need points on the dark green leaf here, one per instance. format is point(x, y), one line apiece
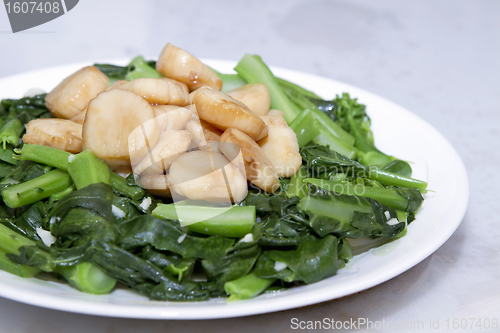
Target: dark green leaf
point(315, 258)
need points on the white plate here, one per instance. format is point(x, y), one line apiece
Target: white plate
point(397, 132)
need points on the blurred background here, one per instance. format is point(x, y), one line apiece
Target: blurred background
point(438, 58)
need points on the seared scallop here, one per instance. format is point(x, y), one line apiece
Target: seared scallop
point(205, 175)
point(259, 170)
point(281, 146)
point(179, 65)
point(119, 126)
point(58, 133)
point(74, 93)
point(255, 96)
point(223, 111)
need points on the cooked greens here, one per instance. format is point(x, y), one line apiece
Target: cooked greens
point(70, 215)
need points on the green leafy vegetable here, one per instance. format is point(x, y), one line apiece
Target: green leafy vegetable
point(136, 69)
point(36, 189)
point(233, 222)
point(313, 260)
point(321, 160)
point(247, 286)
point(107, 229)
point(86, 169)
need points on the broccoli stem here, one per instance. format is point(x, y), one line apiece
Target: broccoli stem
point(305, 127)
point(297, 187)
point(247, 286)
point(386, 196)
point(253, 70)
point(36, 189)
point(11, 132)
point(46, 155)
point(88, 278)
point(86, 169)
point(234, 222)
point(229, 81)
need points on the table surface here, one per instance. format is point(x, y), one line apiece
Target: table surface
point(439, 59)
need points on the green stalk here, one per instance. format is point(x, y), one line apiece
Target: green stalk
point(336, 208)
point(10, 242)
point(305, 127)
point(88, 278)
point(141, 69)
point(253, 70)
point(119, 184)
point(183, 269)
point(247, 286)
point(336, 144)
point(400, 167)
point(60, 159)
point(289, 85)
point(373, 158)
point(16, 269)
point(229, 81)
point(36, 189)
point(11, 132)
point(84, 276)
point(328, 125)
point(386, 196)
point(297, 187)
point(59, 195)
point(235, 222)
point(393, 179)
point(86, 169)
point(46, 155)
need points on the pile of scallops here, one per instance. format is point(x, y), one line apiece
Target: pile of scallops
point(179, 134)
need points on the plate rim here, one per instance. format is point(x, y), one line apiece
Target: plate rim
point(253, 306)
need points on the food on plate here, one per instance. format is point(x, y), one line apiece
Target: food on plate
point(258, 169)
point(170, 145)
point(114, 128)
point(184, 184)
point(255, 96)
point(158, 91)
point(281, 145)
point(58, 133)
point(177, 64)
point(74, 93)
point(223, 111)
point(207, 175)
